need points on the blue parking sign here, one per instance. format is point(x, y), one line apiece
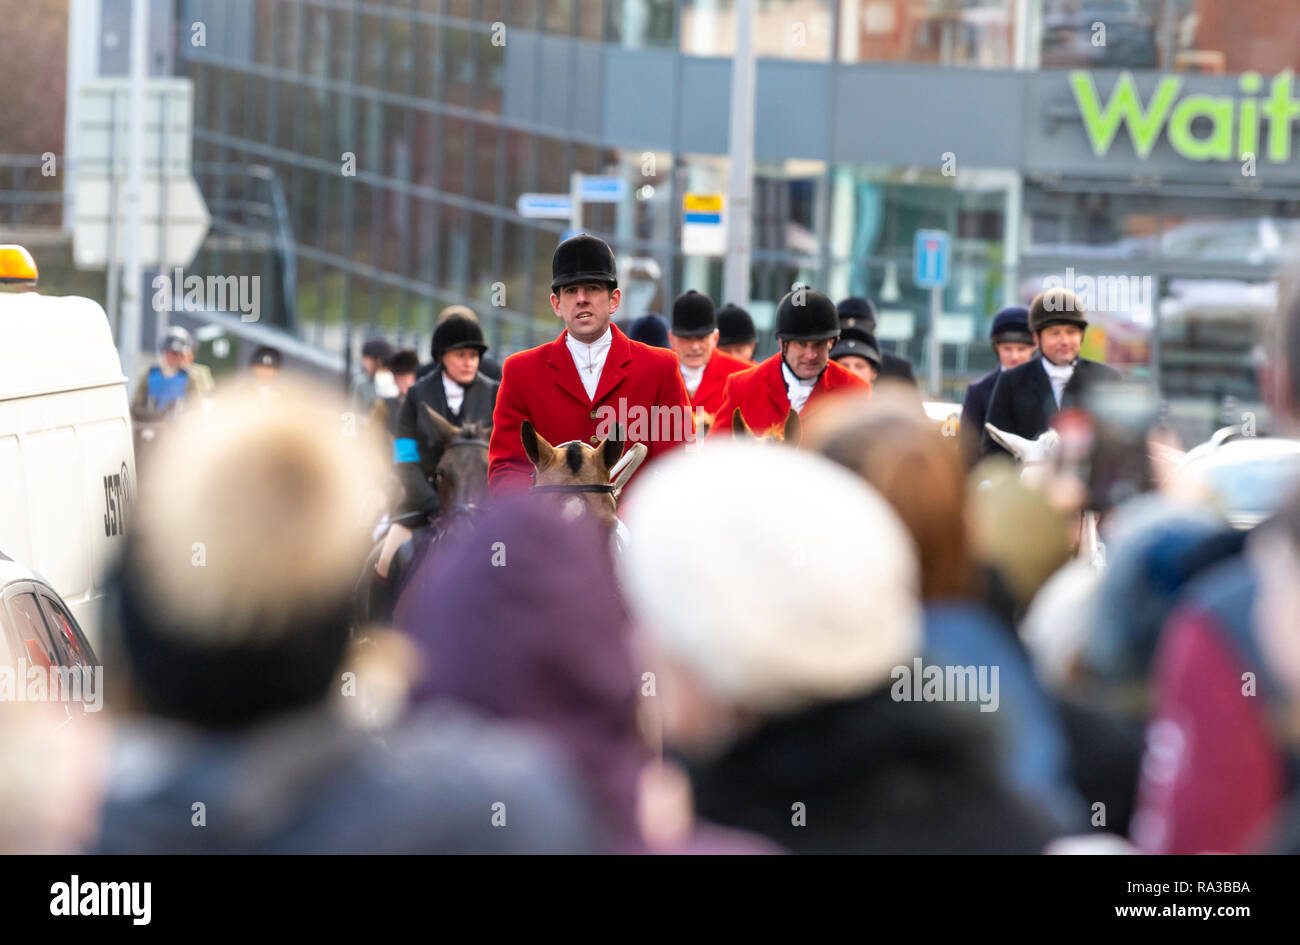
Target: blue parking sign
point(930, 263)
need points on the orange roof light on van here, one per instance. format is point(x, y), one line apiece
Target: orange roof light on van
point(16, 266)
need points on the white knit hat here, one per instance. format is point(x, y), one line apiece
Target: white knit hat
point(790, 581)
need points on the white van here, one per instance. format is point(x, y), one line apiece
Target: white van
point(67, 468)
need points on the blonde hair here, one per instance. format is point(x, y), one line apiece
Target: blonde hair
point(254, 509)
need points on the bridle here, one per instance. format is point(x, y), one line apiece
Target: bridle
point(575, 488)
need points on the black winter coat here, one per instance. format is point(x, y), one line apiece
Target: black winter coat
point(1022, 401)
point(974, 408)
point(873, 776)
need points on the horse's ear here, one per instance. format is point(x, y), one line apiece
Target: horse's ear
point(793, 429)
point(739, 428)
point(441, 425)
point(703, 423)
point(535, 445)
point(612, 448)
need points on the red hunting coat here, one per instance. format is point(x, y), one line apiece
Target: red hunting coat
point(708, 396)
point(760, 394)
point(542, 385)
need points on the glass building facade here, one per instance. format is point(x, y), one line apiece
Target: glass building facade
point(399, 137)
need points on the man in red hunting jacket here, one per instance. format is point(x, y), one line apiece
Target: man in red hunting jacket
point(591, 378)
point(801, 373)
point(694, 339)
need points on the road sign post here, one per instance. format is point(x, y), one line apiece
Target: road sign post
point(704, 230)
point(930, 270)
point(545, 206)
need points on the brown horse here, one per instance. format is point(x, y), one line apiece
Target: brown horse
point(789, 432)
point(577, 470)
point(461, 480)
point(461, 475)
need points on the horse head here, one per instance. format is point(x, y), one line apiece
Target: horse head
point(462, 471)
point(579, 472)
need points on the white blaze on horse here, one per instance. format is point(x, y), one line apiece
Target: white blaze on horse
point(591, 477)
point(1029, 452)
point(1034, 456)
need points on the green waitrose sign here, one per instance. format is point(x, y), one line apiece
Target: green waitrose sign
point(1235, 121)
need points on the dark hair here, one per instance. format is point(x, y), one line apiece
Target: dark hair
point(178, 675)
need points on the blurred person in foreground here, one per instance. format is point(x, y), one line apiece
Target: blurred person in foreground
point(51, 776)
point(1220, 759)
point(890, 443)
point(781, 650)
point(1275, 551)
point(226, 628)
point(521, 618)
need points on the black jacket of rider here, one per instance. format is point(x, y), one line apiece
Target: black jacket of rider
point(417, 446)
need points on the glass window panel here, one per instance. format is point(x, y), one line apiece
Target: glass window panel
point(455, 141)
point(488, 144)
point(287, 46)
point(639, 23)
point(400, 53)
point(264, 32)
point(372, 50)
point(483, 268)
point(428, 63)
point(458, 71)
point(558, 17)
point(977, 33)
point(491, 75)
point(320, 33)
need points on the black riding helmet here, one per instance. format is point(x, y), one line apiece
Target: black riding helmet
point(583, 258)
point(457, 332)
point(806, 315)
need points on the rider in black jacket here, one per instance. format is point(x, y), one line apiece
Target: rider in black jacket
point(457, 391)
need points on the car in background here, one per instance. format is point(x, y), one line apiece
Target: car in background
point(1250, 476)
point(36, 626)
